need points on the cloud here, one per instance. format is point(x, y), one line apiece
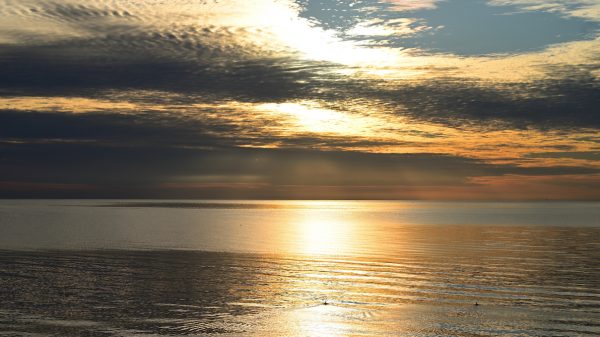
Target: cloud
point(105, 129)
point(236, 55)
point(388, 28)
point(411, 5)
point(182, 96)
point(543, 104)
point(585, 155)
point(88, 170)
point(107, 154)
point(588, 9)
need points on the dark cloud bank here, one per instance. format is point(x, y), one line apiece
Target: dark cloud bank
point(554, 103)
point(100, 155)
point(123, 51)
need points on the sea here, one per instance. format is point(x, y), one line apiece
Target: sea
point(299, 268)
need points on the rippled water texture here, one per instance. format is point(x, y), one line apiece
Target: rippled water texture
point(139, 268)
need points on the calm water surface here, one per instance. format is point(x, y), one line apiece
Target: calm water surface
point(298, 268)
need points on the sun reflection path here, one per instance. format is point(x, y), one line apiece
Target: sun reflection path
point(324, 236)
point(322, 229)
point(321, 320)
point(325, 228)
point(325, 232)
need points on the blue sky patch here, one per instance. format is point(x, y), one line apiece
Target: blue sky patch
point(457, 27)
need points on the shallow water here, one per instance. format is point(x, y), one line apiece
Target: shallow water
point(275, 268)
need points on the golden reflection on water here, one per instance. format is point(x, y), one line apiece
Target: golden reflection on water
point(412, 273)
point(320, 235)
point(321, 320)
point(322, 228)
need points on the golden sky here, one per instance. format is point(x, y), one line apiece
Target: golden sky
point(300, 99)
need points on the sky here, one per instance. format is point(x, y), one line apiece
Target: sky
point(305, 99)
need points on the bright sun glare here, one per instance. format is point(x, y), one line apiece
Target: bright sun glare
point(325, 230)
point(311, 117)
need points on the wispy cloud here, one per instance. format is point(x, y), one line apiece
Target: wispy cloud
point(588, 9)
point(408, 5)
